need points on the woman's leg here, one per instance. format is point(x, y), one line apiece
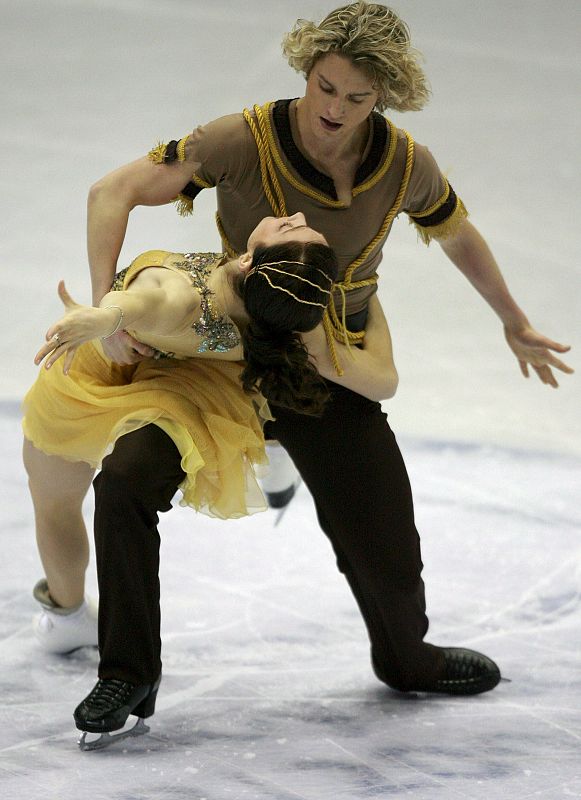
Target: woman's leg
point(67, 620)
point(58, 488)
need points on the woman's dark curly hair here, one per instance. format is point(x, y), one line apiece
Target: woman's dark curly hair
point(285, 292)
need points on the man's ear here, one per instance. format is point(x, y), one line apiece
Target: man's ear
point(245, 262)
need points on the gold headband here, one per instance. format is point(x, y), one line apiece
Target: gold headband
point(271, 266)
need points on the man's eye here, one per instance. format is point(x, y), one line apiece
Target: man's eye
point(325, 89)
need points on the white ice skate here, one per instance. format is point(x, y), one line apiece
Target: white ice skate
point(61, 631)
point(282, 479)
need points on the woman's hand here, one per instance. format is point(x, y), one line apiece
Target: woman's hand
point(80, 324)
point(531, 347)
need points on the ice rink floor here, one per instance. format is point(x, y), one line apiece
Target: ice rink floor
point(267, 692)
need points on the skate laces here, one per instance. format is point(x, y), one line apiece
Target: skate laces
point(109, 690)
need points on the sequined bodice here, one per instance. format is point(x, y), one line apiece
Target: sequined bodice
point(216, 331)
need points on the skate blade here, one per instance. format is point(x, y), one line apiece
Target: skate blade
point(283, 510)
point(104, 740)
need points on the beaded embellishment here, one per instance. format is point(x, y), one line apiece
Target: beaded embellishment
point(217, 332)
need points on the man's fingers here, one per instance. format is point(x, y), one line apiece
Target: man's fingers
point(70, 354)
point(546, 376)
point(143, 349)
point(559, 348)
point(547, 359)
point(558, 364)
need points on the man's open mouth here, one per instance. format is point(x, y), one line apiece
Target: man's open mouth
point(330, 126)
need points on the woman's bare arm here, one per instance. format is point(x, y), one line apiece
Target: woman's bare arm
point(368, 370)
point(156, 302)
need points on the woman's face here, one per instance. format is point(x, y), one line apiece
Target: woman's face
point(338, 99)
point(278, 230)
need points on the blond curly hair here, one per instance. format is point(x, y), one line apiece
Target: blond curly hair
point(374, 38)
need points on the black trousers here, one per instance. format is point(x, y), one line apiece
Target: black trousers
point(350, 461)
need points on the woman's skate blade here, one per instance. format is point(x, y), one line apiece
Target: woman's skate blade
point(104, 740)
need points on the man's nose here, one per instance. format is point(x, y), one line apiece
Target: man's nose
point(335, 109)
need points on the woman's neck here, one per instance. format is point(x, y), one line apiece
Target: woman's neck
point(222, 284)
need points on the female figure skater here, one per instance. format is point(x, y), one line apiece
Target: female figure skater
point(201, 314)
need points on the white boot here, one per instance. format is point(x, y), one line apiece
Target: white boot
point(60, 630)
point(280, 482)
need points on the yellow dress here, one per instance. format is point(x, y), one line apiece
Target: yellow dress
point(198, 402)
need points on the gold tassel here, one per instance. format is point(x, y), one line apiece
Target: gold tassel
point(344, 331)
point(444, 229)
point(184, 205)
point(157, 154)
point(328, 326)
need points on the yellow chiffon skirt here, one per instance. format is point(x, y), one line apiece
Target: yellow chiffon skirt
point(199, 403)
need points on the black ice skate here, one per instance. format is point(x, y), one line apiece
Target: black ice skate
point(107, 707)
point(466, 672)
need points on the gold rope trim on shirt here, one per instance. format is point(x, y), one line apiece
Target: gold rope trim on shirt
point(391, 214)
point(263, 115)
point(181, 148)
point(364, 187)
point(270, 183)
point(200, 182)
point(335, 328)
point(228, 249)
point(435, 206)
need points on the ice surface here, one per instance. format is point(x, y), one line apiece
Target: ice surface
point(267, 689)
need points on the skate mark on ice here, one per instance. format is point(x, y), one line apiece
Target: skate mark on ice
point(249, 595)
point(173, 635)
point(531, 713)
point(263, 779)
point(199, 689)
point(57, 737)
point(529, 597)
point(401, 763)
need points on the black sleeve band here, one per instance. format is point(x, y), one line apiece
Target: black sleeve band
point(191, 190)
point(171, 152)
point(440, 214)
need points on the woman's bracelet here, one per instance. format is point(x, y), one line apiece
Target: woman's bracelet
point(120, 320)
